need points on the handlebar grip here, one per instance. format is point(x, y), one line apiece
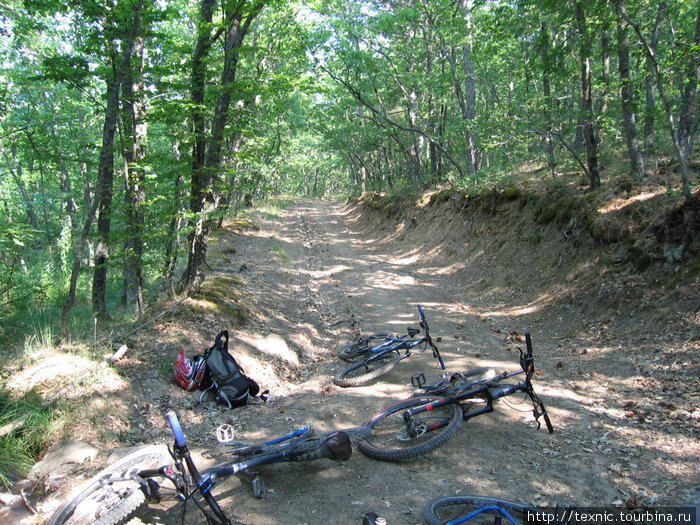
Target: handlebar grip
point(176, 428)
point(420, 311)
point(528, 343)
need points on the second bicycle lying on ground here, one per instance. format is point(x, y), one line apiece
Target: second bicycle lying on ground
point(431, 417)
point(377, 354)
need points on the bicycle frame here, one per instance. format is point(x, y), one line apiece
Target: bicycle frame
point(204, 481)
point(489, 391)
point(403, 343)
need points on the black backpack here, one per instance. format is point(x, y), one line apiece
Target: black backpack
point(228, 381)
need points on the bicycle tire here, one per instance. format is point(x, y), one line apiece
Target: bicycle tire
point(389, 440)
point(445, 509)
point(351, 351)
point(459, 379)
point(98, 503)
point(363, 372)
point(357, 434)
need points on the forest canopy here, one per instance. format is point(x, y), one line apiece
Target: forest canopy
point(129, 130)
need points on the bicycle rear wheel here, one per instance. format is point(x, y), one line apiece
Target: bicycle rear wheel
point(112, 495)
point(449, 509)
point(391, 439)
point(363, 372)
point(351, 351)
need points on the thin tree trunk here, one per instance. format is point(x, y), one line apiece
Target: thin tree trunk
point(650, 108)
point(589, 135)
point(469, 92)
point(686, 118)
point(605, 96)
point(546, 92)
point(77, 259)
point(685, 179)
point(17, 175)
point(628, 116)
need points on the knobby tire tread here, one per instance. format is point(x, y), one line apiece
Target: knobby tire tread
point(124, 503)
point(390, 360)
point(397, 448)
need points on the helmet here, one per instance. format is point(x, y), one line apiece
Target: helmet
point(190, 374)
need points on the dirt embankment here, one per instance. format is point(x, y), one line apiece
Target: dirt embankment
point(616, 344)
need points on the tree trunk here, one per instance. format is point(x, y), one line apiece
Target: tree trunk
point(19, 180)
point(546, 92)
point(589, 135)
point(135, 129)
point(686, 118)
point(650, 108)
point(469, 92)
point(77, 258)
point(105, 171)
point(628, 116)
point(622, 11)
point(207, 154)
point(605, 96)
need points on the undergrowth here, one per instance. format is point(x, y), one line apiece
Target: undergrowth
point(26, 429)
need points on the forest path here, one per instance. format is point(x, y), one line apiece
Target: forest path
point(327, 271)
point(318, 272)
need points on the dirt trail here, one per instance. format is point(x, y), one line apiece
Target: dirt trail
point(314, 273)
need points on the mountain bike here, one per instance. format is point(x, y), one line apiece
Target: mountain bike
point(156, 472)
point(480, 510)
point(422, 423)
point(378, 359)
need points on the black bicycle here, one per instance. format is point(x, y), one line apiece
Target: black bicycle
point(155, 473)
point(375, 360)
point(423, 422)
point(480, 510)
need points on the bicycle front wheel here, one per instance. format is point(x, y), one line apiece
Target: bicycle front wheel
point(455, 509)
point(351, 351)
point(393, 440)
point(112, 495)
point(363, 372)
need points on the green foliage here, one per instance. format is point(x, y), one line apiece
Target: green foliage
point(331, 97)
point(25, 432)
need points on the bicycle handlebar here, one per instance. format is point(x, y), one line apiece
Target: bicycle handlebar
point(424, 324)
point(176, 428)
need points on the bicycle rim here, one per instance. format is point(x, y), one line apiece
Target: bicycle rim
point(391, 440)
point(449, 509)
point(363, 372)
point(111, 496)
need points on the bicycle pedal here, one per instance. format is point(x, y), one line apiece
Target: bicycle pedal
point(224, 433)
point(259, 489)
point(418, 380)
